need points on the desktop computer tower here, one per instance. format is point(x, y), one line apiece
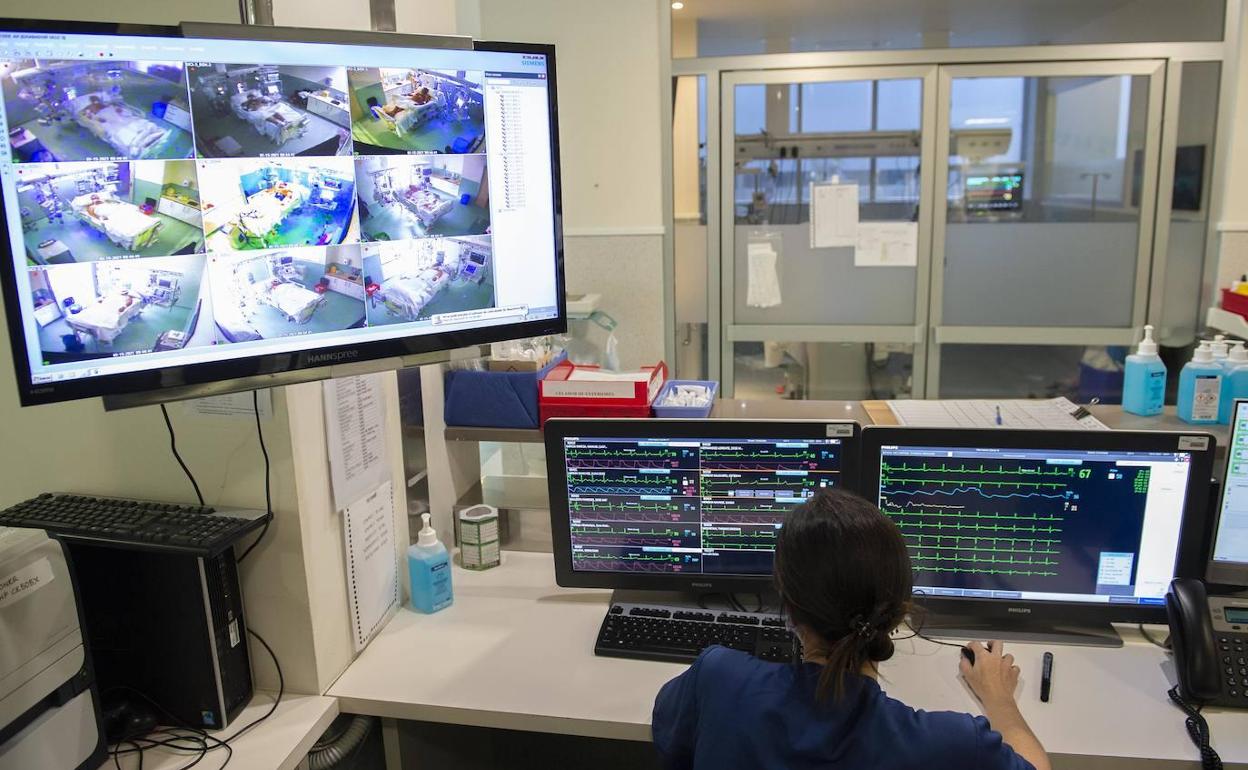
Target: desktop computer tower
point(169, 626)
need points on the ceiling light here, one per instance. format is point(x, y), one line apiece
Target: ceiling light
point(676, 6)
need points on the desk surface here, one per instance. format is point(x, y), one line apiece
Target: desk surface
point(279, 743)
point(516, 652)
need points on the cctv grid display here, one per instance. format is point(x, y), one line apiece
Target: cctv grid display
point(174, 201)
point(688, 506)
point(1037, 524)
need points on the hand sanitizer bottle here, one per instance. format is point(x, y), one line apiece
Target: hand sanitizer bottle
point(1200, 387)
point(429, 567)
point(1234, 381)
point(1144, 381)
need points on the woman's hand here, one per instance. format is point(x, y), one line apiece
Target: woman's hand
point(993, 677)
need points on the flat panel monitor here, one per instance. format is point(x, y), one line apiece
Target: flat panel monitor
point(1228, 562)
point(1055, 527)
point(315, 203)
point(684, 504)
point(995, 192)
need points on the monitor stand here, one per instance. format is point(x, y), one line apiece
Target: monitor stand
point(962, 628)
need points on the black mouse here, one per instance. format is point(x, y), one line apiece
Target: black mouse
point(969, 655)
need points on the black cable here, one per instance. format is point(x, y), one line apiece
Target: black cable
point(1197, 730)
point(268, 493)
point(173, 445)
point(281, 688)
point(1151, 638)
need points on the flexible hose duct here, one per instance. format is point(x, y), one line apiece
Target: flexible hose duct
point(329, 755)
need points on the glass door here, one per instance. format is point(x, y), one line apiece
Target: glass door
point(825, 232)
point(1043, 226)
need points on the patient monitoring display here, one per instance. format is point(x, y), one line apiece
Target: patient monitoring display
point(175, 201)
point(1047, 525)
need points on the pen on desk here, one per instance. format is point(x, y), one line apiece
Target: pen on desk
point(1046, 677)
point(999, 422)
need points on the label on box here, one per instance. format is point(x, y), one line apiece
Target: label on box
point(478, 532)
point(18, 585)
point(483, 555)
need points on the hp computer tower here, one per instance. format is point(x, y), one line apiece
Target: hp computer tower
point(169, 626)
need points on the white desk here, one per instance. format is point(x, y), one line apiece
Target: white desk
point(278, 743)
point(516, 652)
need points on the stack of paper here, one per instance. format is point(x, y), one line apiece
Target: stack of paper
point(1044, 414)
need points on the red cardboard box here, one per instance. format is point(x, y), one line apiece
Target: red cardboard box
point(561, 394)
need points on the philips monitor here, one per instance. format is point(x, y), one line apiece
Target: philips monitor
point(183, 206)
point(1228, 562)
point(684, 505)
point(1043, 534)
point(995, 192)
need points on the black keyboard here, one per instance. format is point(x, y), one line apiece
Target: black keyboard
point(670, 634)
point(140, 524)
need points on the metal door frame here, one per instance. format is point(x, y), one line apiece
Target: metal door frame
point(1175, 54)
point(941, 334)
point(725, 332)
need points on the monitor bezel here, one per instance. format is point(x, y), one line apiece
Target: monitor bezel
point(182, 376)
point(1193, 531)
point(557, 429)
point(1234, 573)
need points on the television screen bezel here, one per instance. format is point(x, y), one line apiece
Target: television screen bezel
point(182, 376)
point(1190, 561)
point(556, 429)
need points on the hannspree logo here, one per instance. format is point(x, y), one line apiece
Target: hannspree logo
point(327, 358)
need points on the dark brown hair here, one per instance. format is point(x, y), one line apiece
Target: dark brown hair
point(843, 574)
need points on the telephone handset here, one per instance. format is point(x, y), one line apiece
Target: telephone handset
point(1210, 640)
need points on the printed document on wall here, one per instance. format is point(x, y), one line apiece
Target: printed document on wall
point(372, 564)
point(762, 288)
point(887, 244)
point(356, 435)
point(833, 215)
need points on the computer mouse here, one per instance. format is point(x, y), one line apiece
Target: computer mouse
point(969, 655)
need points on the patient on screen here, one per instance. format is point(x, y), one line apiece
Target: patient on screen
point(844, 579)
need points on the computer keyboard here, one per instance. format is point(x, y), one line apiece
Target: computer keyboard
point(141, 524)
point(678, 635)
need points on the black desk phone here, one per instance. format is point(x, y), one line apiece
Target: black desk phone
point(1209, 635)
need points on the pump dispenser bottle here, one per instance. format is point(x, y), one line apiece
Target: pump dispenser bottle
point(1200, 387)
point(1144, 380)
point(429, 567)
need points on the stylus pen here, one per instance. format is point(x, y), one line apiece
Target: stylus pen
point(1046, 677)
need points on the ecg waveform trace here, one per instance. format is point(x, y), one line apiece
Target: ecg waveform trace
point(634, 506)
point(982, 518)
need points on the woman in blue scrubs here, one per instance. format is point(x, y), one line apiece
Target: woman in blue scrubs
point(844, 579)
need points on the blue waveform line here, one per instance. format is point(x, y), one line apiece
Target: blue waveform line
point(976, 490)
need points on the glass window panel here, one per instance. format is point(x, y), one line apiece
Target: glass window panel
point(822, 370)
point(690, 233)
point(829, 107)
point(1041, 228)
point(751, 109)
point(1032, 371)
point(900, 105)
point(741, 28)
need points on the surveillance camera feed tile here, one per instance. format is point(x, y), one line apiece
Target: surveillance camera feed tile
point(244, 197)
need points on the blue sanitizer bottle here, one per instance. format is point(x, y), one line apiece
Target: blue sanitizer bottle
point(1200, 387)
point(1144, 380)
point(429, 566)
point(1234, 381)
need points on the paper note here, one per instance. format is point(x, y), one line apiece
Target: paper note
point(1047, 414)
point(356, 437)
point(25, 581)
point(763, 281)
point(887, 244)
point(234, 405)
point(833, 215)
point(372, 566)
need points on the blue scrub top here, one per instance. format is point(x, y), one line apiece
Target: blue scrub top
point(732, 710)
